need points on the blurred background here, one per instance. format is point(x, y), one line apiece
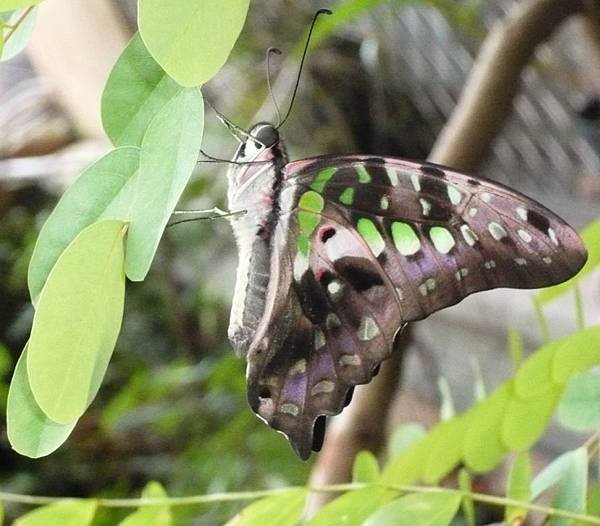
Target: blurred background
point(173, 406)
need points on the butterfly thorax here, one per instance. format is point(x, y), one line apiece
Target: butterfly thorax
point(255, 181)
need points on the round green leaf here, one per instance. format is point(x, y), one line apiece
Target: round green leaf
point(579, 407)
point(534, 377)
point(169, 154)
point(445, 449)
point(75, 513)
point(519, 488)
point(154, 515)
point(104, 190)
point(136, 90)
point(30, 431)
point(352, 508)
point(365, 468)
point(284, 509)
point(77, 322)
point(9, 5)
point(424, 509)
point(576, 353)
point(525, 419)
point(191, 40)
point(483, 448)
point(18, 40)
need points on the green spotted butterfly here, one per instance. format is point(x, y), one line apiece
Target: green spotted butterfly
point(338, 253)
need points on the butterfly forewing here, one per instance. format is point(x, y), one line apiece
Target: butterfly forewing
point(363, 245)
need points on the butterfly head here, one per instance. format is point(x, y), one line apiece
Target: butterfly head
point(261, 143)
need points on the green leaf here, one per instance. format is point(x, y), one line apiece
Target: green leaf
point(103, 191)
point(30, 432)
point(9, 5)
point(350, 509)
point(445, 449)
point(570, 473)
point(405, 436)
point(519, 488)
point(575, 354)
point(424, 509)
point(534, 377)
point(407, 467)
point(75, 513)
point(466, 485)
point(150, 515)
point(136, 90)
point(77, 322)
point(526, 419)
point(284, 509)
point(191, 40)
point(365, 468)
point(483, 448)
point(591, 239)
point(14, 44)
point(578, 408)
point(169, 154)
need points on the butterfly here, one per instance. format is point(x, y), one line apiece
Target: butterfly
point(338, 253)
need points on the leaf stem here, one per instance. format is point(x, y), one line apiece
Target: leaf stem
point(335, 488)
point(16, 25)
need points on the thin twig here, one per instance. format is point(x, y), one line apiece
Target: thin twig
point(16, 25)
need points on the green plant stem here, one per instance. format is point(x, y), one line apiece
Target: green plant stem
point(539, 314)
point(16, 25)
point(337, 488)
point(579, 314)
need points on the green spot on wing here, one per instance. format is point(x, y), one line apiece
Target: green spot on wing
point(442, 239)
point(406, 240)
point(322, 179)
point(310, 204)
point(371, 235)
point(363, 175)
point(347, 196)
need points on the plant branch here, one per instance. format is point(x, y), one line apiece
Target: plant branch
point(334, 488)
point(487, 98)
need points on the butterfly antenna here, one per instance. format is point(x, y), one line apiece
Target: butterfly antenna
point(239, 133)
point(270, 51)
point(312, 25)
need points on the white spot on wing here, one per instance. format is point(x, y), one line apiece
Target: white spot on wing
point(289, 408)
point(472, 211)
point(552, 235)
point(497, 231)
point(524, 235)
point(485, 197)
point(300, 266)
point(469, 236)
point(547, 260)
point(298, 368)
point(319, 339)
point(324, 386)
point(521, 261)
point(425, 206)
point(349, 359)
point(521, 213)
point(416, 182)
point(332, 321)
point(385, 202)
point(368, 329)
point(334, 288)
point(454, 195)
point(393, 175)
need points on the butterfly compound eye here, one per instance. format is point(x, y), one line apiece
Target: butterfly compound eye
point(266, 134)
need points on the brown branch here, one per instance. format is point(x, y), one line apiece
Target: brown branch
point(590, 28)
point(486, 100)
point(478, 118)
